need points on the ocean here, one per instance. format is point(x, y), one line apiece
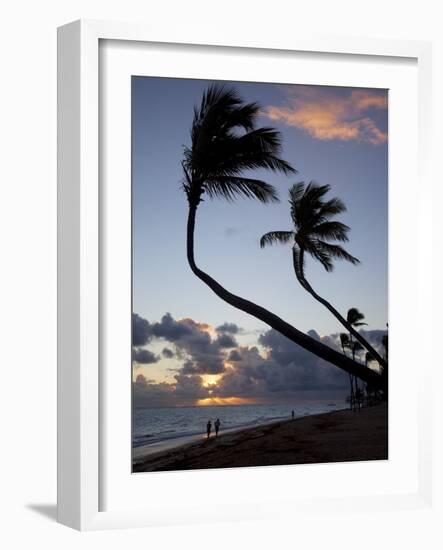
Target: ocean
point(153, 426)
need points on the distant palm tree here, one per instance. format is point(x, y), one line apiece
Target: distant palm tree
point(356, 347)
point(355, 317)
point(314, 232)
point(346, 344)
point(225, 143)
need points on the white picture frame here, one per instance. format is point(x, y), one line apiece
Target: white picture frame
point(80, 435)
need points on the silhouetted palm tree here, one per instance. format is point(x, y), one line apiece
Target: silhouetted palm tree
point(355, 317)
point(314, 233)
point(225, 143)
point(346, 344)
point(356, 347)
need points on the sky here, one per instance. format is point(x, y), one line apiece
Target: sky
point(189, 346)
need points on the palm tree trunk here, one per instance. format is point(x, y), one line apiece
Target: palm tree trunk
point(352, 391)
point(310, 344)
point(304, 283)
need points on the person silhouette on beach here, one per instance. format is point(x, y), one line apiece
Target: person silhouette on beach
point(217, 426)
point(292, 414)
point(208, 428)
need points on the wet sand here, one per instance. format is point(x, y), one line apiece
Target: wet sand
point(338, 436)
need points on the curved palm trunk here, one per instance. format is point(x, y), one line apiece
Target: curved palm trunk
point(293, 334)
point(337, 315)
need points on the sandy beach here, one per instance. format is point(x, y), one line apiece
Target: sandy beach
point(338, 436)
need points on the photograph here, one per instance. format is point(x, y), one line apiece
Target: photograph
point(259, 274)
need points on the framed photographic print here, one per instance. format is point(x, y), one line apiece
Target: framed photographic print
point(233, 273)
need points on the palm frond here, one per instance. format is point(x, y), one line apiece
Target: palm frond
point(332, 207)
point(296, 191)
point(354, 315)
point(276, 237)
point(231, 187)
point(242, 117)
point(323, 257)
point(226, 142)
point(331, 230)
point(315, 191)
point(336, 251)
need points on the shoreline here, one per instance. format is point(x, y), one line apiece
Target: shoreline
point(166, 445)
point(163, 445)
point(336, 436)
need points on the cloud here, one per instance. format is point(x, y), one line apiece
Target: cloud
point(141, 330)
point(231, 328)
point(185, 390)
point(274, 370)
point(234, 355)
point(226, 341)
point(193, 341)
point(144, 356)
point(167, 353)
point(333, 114)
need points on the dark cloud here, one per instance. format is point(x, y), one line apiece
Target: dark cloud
point(192, 341)
point(146, 393)
point(184, 391)
point(226, 341)
point(144, 356)
point(141, 330)
point(189, 368)
point(234, 355)
point(172, 330)
point(230, 328)
point(277, 369)
point(285, 369)
point(167, 353)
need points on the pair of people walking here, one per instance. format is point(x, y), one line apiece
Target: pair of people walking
point(209, 428)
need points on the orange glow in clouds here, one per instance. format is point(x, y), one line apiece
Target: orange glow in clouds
point(211, 401)
point(210, 379)
point(325, 117)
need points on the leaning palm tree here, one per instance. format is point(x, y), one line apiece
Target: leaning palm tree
point(315, 233)
point(226, 143)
